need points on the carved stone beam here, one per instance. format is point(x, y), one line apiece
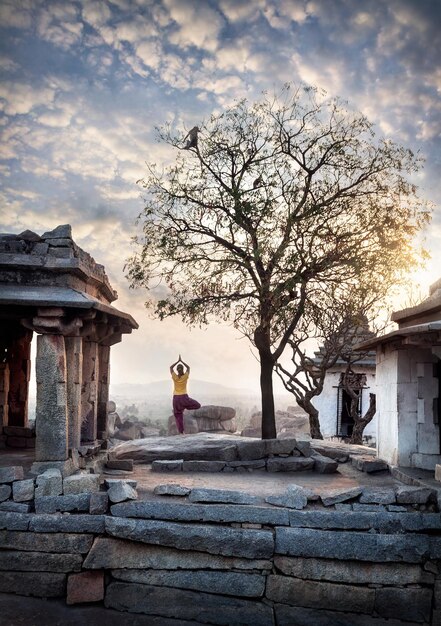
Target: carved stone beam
point(54, 325)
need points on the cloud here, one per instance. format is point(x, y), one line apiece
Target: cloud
point(16, 13)
point(19, 98)
point(60, 25)
point(197, 24)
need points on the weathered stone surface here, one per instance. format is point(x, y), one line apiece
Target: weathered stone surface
point(246, 465)
point(323, 464)
point(299, 616)
point(50, 483)
point(12, 560)
point(320, 595)
point(289, 464)
point(369, 464)
point(333, 519)
point(280, 446)
point(19, 431)
point(371, 508)
point(295, 497)
point(41, 542)
point(353, 572)
point(14, 521)
point(349, 545)
point(304, 447)
point(225, 583)
point(63, 231)
point(23, 490)
point(253, 544)
point(45, 585)
point(407, 604)
point(15, 507)
point(203, 466)
point(251, 450)
point(167, 465)
point(81, 483)
point(5, 492)
point(203, 607)
point(52, 504)
point(339, 495)
point(122, 464)
point(67, 467)
point(396, 509)
point(9, 474)
point(171, 489)
point(85, 587)
point(121, 491)
point(200, 494)
point(99, 503)
point(377, 496)
point(226, 513)
point(108, 553)
point(112, 481)
point(54, 523)
point(412, 495)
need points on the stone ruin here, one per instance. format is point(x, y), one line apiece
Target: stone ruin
point(50, 286)
point(209, 418)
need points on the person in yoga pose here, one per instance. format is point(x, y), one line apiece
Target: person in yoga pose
point(181, 400)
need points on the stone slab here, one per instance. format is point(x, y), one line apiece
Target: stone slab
point(369, 464)
point(167, 465)
point(121, 464)
point(66, 468)
point(99, 503)
point(409, 604)
point(319, 595)
point(324, 464)
point(171, 489)
point(334, 496)
point(252, 544)
point(13, 560)
point(121, 491)
point(371, 495)
point(110, 553)
point(349, 545)
point(14, 521)
point(224, 583)
point(54, 504)
point(81, 483)
point(5, 492)
point(45, 585)
point(49, 483)
point(201, 494)
point(57, 522)
point(203, 607)
point(299, 616)
point(289, 464)
point(85, 587)
point(412, 495)
point(11, 473)
point(41, 542)
point(203, 466)
point(23, 490)
point(15, 507)
point(295, 497)
point(218, 513)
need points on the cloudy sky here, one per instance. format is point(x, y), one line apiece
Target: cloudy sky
point(85, 82)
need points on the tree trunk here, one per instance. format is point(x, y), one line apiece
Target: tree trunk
point(314, 423)
point(360, 423)
point(266, 387)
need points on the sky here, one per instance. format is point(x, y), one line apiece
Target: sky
point(84, 83)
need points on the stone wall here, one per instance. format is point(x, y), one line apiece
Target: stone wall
point(249, 564)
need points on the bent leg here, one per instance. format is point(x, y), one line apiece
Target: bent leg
point(191, 404)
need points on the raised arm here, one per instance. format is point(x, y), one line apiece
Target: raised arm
point(187, 371)
point(174, 365)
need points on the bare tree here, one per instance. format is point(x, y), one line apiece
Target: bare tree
point(331, 202)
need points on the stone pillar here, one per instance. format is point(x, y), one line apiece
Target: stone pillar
point(51, 412)
point(4, 391)
point(19, 359)
point(74, 369)
point(103, 390)
point(89, 391)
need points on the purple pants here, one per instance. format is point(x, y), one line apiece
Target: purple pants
point(179, 404)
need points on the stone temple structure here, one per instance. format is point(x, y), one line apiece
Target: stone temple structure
point(409, 384)
point(50, 286)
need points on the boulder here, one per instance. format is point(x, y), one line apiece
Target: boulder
point(209, 418)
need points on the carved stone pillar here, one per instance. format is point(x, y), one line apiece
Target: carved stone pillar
point(4, 391)
point(51, 412)
point(74, 367)
point(103, 390)
point(89, 391)
point(19, 360)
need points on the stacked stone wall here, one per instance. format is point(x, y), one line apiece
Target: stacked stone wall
point(230, 563)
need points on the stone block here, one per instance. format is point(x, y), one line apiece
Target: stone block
point(14, 521)
point(99, 503)
point(289, 464)
point(295, 497)
point(109, 482)
point(58, 523)
point(438, 473)
point(13, 560)
point(171, 489)
point(333, 496)
point(43, 585)
point(54, 504)
point(217, 513)
point(15, 507)
point(5, 492)
point(85, 587)
point(61, 242)
point(167, 465)
point(81, 483)
point(203, 466)
point(121, 491)
point(109, 553)
point(245, 465)
point(187, 605)
point(19, 431)
point(45, 542)
point(122, 464)
point(353, 572)
point(253, 544)
point(323, 464)
point(348, 545)
point(369, 464)
point(200, 494)
point(370, 508)
point(50, 483)
point(299, 616)
point(409, 604)
point(66, 468)
point(64, 231)
point(40, 248)
point(371, 495)
point(304, 447)
point(23, 490)
point(319, 595)
point(10, 474)
point(412, 495)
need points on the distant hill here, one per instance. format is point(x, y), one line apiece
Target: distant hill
point(165, 388)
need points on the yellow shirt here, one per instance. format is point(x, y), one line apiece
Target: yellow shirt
point(180, 384)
